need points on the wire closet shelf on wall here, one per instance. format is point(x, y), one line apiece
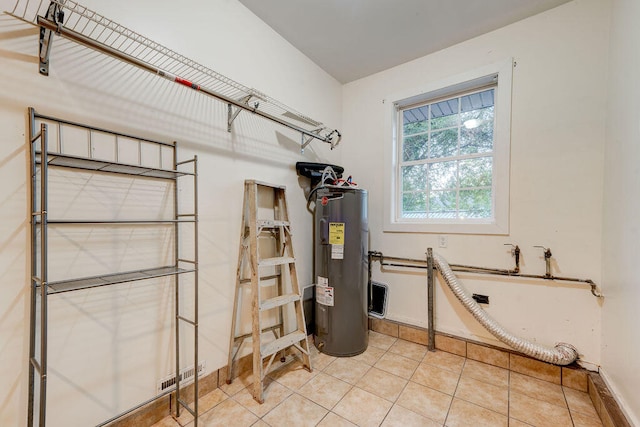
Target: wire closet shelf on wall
point(88, 28)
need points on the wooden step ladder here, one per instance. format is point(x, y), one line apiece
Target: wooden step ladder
point(266, 255)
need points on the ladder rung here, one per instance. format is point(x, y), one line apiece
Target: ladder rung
point(279, 301)
point(267, 329)
point(281, 343)
point(261, 278)
point(272, 223)
point(264, 184)
point(276, 261)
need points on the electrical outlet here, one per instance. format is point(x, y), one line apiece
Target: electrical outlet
point(442, 241)
point(481, 299)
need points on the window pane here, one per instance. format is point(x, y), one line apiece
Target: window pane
point(442, 204)
point(477, 101)
point(414, 204)
point(476, 172)
point(478, 140)
point(415, 148)
point(415, 127)
point(415, 120)
point(444, 114)
point(443, 175)
point(414, 178)
point(484, 114)
point(444, 143)
point(475, 203)
point(445, 122)
point(476, 134)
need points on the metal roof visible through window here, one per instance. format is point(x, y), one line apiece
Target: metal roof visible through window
point(473, 101)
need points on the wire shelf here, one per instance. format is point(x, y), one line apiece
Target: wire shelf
point(112, 279)
point(76, 22)
point(76, 162)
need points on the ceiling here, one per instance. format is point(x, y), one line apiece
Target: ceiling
point(351, 39)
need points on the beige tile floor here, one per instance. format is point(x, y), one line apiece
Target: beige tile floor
point(394, 383)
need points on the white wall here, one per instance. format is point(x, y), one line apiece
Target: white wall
point(558, 134)
point(621, 231)
point(557, 143)
point(108, 340)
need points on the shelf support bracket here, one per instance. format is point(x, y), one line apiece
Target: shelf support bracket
point(306, 141)
point(231, 114)
point(333, 140)
point(55, 14)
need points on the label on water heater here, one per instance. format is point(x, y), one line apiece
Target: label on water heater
point(324, 293)
point(336, 233)
point(337, 251)
point(336, 239)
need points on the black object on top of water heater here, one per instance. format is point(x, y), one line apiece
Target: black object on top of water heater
point(313, 171)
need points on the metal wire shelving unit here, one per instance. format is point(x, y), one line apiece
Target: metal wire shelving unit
point(75, 22)
point(42, 157)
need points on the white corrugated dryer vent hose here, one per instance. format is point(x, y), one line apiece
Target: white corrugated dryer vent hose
point(561, 354)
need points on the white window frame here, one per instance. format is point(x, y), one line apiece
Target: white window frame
point(453, 85)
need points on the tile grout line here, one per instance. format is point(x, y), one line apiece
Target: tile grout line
point(394, 402)
point(352, 386)
point(508, 396)
point(454, 392)
point(294, 392)
point(479, 404)
point(409, 381)
point(566, 402)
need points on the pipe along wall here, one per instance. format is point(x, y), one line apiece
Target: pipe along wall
point(561, 354)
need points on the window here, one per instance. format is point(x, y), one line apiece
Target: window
point(450, 161)
point(447, 158)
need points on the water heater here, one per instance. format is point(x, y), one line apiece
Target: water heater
point(340, 261)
